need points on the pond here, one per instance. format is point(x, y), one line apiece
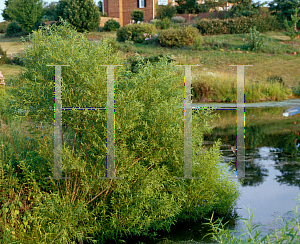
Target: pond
point(272, 150)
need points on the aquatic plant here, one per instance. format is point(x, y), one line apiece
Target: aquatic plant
point(288, 233)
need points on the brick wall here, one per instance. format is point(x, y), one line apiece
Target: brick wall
point(188, 17)
point(104, 19)
point(122, 9)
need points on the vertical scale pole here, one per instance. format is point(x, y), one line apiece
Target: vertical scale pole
point(188, 146)
point(110, 111)
point(240, 103)
point(57, 126)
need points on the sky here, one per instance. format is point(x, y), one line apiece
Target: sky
point(2, 5)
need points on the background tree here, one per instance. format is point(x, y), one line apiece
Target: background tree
point(165, 11)
point(245, 8)
point(59, 12)
point(100, 6)
point(50, 11)
point(82, 14)
point(4, 12)
point(283, 9)
point(190, 6)
point(26, 12)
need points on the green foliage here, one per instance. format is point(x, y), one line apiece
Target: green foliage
point(167, 11)
point(50, 11)
point(292, 30)
point(111, 25)
point(149, 132)
point(26, 12)
point(100, 5)
point(255, 40)
point(128, 46)
point(296, 90)
point(4, 12)
point(135, 32)
point(84, 15)
point(59, 11)
point(137, 61)
point(238, 25)
point(13, 29)
point(274, 78)
point(245, 8)
point(137, 15)
point(3, 26)
point(178, 37)
point(202, 8)
point(112, 42)
point(198, 42)
point(38, 25)
point(192, 7)
point(283, 9)
point(4, 59)
point(163, 24)
point(104, 15)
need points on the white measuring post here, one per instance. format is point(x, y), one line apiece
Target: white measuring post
point(110, 157)
point(240, 137)
point(188, 151)
point(57, 126)
point(188, 145)
point(110, 111)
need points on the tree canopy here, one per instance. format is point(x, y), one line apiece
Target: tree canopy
point(82, 14)
point(245, 8)
point(284, 9)
point(50, 11)
point(26, 12)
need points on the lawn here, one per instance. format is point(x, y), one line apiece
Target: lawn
point(215, 55)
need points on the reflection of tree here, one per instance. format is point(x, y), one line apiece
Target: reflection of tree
point(254, 136)
point(286, 148)
point(264, 129)
point(290, 174)
point(256, 171)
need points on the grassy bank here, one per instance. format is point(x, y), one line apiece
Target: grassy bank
point(272, 76)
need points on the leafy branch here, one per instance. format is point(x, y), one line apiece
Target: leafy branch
point(292, 30)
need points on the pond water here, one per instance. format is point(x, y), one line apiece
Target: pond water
point(272, 150)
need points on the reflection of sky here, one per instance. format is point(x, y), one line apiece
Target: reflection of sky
point(269, 199)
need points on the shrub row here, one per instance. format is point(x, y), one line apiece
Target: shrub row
point(171, 37)
point(135, 32)
point(237, 25)
point(178, 37)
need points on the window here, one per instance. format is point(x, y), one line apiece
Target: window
point(141, 3)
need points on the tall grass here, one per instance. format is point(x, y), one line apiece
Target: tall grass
point(222, 87)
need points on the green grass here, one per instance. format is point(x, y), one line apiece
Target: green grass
point(10, 70)
point(216, 54)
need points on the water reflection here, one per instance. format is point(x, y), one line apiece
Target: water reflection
point(272, 150)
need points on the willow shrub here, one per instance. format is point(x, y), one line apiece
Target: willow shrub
point(149, 147)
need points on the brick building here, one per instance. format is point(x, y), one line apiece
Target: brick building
point(122, 9)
